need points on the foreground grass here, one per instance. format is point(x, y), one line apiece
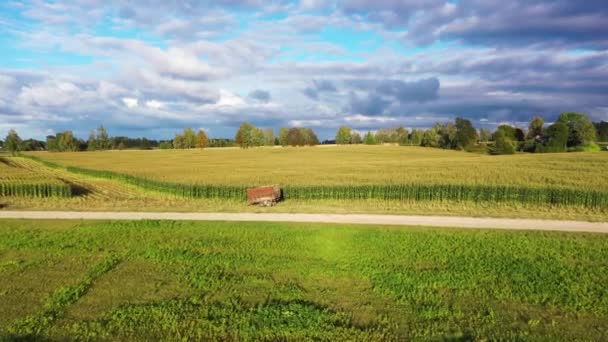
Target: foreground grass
point(348, 165)
point(255, 281)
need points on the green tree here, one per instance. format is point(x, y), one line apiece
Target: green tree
point(67, 142)
point(103, 139)
point(431, 138)
point(503, 144)
point(165, 145)
point(245, 136)
point(283, 132)
point(448, 134)
point(343, 135)
point(466, 135)
point(485, 135)
point(556, 139)
point(189, 138)
point(92, 142)
point(258, 137)
point(355, 138)
point(12, 143)
point(295, 137)
point(269, 137)
point(401, 133)
point(310, 137)
point(535, 129)
point(416, 137)
point(369, 139)
point(602, 131)
point(202, 141)
point(179, 142)
point(580, 129)
point(145, 144)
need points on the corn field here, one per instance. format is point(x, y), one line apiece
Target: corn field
point(17, 181)
point(402, 192)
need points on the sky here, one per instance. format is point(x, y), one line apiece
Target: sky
point(151, 68)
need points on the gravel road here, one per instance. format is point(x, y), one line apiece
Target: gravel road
point(428, 221)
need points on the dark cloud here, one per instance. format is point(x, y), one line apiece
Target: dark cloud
point(580, 24)
point(417, 91)
point(370, 104)
point(260, 95)
point(324, 86)
point(311, 93)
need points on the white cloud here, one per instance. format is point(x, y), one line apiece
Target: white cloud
point(52, 94)
point(155, 104)
point(130, 102)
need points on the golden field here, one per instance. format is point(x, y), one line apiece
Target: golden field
point(348, 165)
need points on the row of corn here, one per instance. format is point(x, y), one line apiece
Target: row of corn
point(35, 190)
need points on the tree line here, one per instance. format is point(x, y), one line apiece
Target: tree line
point(571, 132)
point(250, 136)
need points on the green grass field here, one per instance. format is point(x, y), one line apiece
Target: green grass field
point(267, 281)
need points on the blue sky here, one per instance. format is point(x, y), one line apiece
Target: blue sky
point(152, 68)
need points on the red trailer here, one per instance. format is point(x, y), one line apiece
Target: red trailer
point(264, 195)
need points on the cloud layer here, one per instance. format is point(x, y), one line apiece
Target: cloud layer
point(146, 68)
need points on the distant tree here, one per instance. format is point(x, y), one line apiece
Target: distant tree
point(369, 139)
point(247, 135)
point(67, 142)
point(556, 139)
point(145, 144)
point(103, 140)
point(51, 143)
point(485, 135)
point(404, 139)
point(310, 137)
point(431, 138)
point(503, 144)
point(283, 132)
point(355, 138)
point(512, 133)
point(179, 142)
point(202, 141)
point(601, 131)
point(401, 135)
point(258, 137)
point(269, 137)
point(343, 135)
point(189, 138)
point(92, 142)
point(535, 129)
point(580, 129)
point(382, 136)
point(416, 137)
point(121, 146)
point(32, 145)
point(466, 135)
point(165, 145)
point(295, 137)
point(448, 134)
point(12, 142)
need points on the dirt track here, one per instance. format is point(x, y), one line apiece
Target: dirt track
point(429, 221)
